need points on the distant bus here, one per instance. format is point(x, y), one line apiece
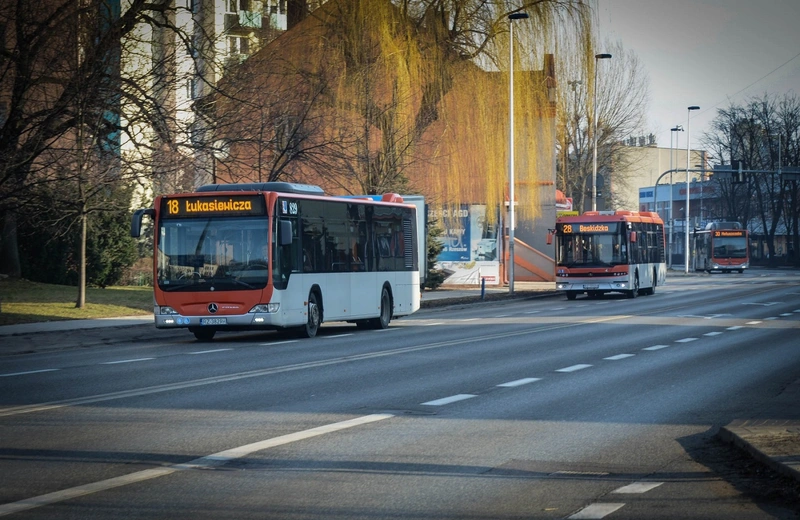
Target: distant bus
point(722, 246)
point(280, 256)
point(610, 251)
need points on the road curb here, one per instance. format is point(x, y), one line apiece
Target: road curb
point(748, 436)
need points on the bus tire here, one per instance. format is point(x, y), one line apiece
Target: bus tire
point(652, 289)
point(634, 292)
point(203, 334)
point(314, 311)
point(382, 321)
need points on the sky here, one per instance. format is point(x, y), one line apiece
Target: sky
point(708, 53)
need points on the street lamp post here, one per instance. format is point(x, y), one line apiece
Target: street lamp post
point(678, 128)
point(688, 144)
point(511, 18)
point(597, 57)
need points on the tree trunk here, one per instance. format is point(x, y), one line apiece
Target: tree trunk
point(81, 303)
point(9, 247)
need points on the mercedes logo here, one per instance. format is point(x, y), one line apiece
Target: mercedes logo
point(212, 308)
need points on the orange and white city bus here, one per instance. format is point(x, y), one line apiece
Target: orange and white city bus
point(610, 251)
point(722, 246)
point(279, 256)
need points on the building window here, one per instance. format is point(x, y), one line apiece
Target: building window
point(238, 45)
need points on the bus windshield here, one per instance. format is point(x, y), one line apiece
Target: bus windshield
point(212, 254)
point(730, 247)
point(591, 250)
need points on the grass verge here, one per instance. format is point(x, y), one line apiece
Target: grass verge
point(23, 301)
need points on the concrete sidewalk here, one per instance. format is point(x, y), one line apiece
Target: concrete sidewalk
point(772, 435)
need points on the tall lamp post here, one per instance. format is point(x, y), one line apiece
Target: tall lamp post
point(597, 57)
point(678, 128)
point(511, 222)
point(688, 144)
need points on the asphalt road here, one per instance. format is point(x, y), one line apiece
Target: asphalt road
point(539, 408)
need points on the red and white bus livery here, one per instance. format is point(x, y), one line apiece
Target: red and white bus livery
point(722, 246)
point(278, 256)
point(610, 251)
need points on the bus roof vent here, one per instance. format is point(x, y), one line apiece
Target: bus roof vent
point(391, 197)
point(283, 187)
point(723, 225)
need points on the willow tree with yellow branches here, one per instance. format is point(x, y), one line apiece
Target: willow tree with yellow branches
point(416, 94)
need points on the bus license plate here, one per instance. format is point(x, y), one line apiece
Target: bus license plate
point(591, 287)
point(213, 321)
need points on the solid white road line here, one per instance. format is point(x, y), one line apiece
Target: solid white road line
point(30, 372)
point(209, 461)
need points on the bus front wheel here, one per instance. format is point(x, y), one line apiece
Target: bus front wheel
point(203, 334)
point(634, 292)
point(310, 329)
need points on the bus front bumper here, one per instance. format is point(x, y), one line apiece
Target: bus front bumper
point(166, 318)
point(582, 286)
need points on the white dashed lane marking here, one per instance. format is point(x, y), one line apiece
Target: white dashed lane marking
point(716, 333)
point(618, 357)
point(656, 347)
point(447, 400)
point(520, 382)
point(595, 511)
point(685, 340)
point(638, 487)
point(127, 361)
point(573, 368)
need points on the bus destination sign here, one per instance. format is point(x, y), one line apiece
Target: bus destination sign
point(729, 233)
point(212, 206)
point(589, 228)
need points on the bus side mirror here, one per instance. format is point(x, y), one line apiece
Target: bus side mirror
point(136, 221)
point(549, 239)
point(633, 237)
point(285, 233)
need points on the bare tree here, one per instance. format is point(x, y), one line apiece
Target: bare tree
point(753, 133)
point(84, 90)
point(622, 98)
point(413, 91)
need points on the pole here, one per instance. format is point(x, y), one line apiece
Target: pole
point(511, 220)
point(671, 220)
point(597, 57)
point(688, 141)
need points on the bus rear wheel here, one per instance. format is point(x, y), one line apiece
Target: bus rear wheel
point(382, 321)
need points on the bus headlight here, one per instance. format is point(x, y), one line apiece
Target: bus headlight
point(270, 308)
point(167, 310)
